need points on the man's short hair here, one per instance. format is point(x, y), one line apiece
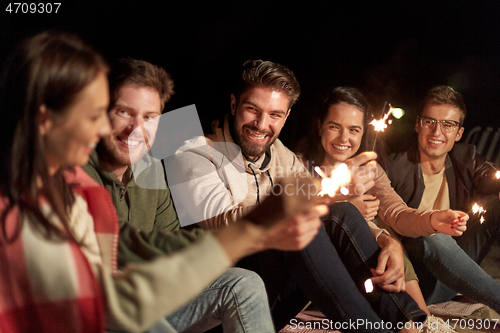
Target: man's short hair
point(140, 73)
point(268, 74)
point(444, 95)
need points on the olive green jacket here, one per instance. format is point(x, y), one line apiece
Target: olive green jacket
point(148, 221)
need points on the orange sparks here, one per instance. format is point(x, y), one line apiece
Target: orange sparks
point(476, 209)
point(340, 176)
point(380, 125)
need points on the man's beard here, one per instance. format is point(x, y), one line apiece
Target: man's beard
point(108, 152)
point(248, 147)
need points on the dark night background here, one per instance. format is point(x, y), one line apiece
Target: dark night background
point(393, 50)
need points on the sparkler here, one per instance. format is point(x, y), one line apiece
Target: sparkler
point(381, 124)
point(497, 174)
point(339, 177)
point(368, 286)
point(476, 209)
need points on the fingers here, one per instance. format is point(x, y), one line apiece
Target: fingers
point(299, 233)
point(366, 186)
point(321, 210)
point(397, 287)
point(450, 222)
point(392, 279)
point(363, 169)
point(362, 158)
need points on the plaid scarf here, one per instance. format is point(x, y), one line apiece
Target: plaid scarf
point(48, 286)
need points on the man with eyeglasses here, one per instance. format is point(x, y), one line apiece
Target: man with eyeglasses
point(438, 174)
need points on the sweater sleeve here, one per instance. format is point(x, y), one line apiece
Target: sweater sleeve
point(143, 293)
point(137, 246)
point(394, 211)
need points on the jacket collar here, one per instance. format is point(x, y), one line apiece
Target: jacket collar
point(97, 164)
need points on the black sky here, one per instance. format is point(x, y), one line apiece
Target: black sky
point(393, 50)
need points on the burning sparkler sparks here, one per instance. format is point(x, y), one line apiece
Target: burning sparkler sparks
point(368, 286)
point(381, 124)
point(476, 209)
point(339, 177)
point(497, 174)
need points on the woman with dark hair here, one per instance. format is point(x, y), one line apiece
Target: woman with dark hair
point(341, 132)
point(59, 233)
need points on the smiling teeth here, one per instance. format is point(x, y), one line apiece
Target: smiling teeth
point(341, 147)
point(257, 136)
point(435, 141)
point(130, 142)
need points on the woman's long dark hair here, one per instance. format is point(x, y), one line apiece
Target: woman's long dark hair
point(48, 69)
point(310, 147)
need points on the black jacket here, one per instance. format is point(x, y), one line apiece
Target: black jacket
point(469, 176)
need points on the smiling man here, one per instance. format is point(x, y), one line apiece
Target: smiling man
point(148, 221)
point(217, 178)
point(439, 173)
point(139, 91)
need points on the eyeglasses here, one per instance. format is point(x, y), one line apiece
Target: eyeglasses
point(447, 126)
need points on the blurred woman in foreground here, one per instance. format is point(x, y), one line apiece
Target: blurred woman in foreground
point(59, 228)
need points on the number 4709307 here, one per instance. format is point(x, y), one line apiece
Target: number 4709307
point(32, 7)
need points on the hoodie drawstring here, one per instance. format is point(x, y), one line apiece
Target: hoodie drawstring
point(257, 182)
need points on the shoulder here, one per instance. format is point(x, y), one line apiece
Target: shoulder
point(279, 150)
point(148, 173)
point(80, 177)
point(401, 165)
point(463, 152)
point(91, 168)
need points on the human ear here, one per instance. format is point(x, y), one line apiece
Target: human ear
point(44, 120)
point(459, 134)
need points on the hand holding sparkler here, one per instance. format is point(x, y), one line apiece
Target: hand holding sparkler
point(289, 215)
point(449, 222)
point(363, 172)
point(354, 177)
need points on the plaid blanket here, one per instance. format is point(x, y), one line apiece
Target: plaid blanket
point(49, 286)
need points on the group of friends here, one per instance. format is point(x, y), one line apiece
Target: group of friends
point(85, 248)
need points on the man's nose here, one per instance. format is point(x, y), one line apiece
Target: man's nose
point(437, 128)
point(261, 122)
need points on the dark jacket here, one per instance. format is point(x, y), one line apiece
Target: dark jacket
point(468, 174)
